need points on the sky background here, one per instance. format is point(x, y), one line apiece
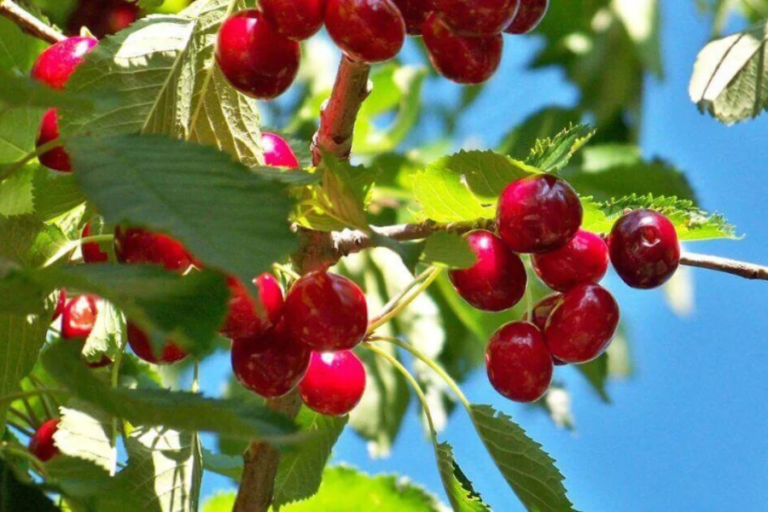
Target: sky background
point(688, 430)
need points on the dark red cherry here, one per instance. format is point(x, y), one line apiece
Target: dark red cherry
point(414, 13)
point(326, 312)
point(528, 17)
point(477, 17)
point(497, 280)
point(134, 245)
point(78, 317)
point(465, 60)
point(644, 249)
point(582, 260)
point(538, 214)
point(582, 325)
point(294, 19)
point(271, 365)
point(277, 152)
point(103, 17)
point(42, 444)
point(540, 315)
point(139, 342)
point(92, 253)
point(55, 65)
point(60, 303)
point(56, 158)
point(256, 60)
point(366, 30)
point(121, 17)
point(334, 383)
point(519, 363)
point(249, 317)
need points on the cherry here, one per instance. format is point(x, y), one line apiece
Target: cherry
point(42, 444)
point(57, 63)
point(497, 280)
point(518, 362)
point(60, 303)
point(78, 317)
point(334, 383)
point(326, 312)
point(465, 60)
point(477, 17)
point(103, 17)
point(414, 13)
point(92, 253)
point(121, 17)
point(537, 214)
point(139, 342)
point(294, 19)
point(256, 60)
point(644, 249)
point(528, 17)
point(247, 318)
point(582, 260)
point(56, 158)
point(271, 365)
point(366, 30)
point(582, 325)
point(540, 314)
point(277, 152)
point(134, 245)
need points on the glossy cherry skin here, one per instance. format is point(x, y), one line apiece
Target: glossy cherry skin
point(256, 60)
point(582, 260)
point(277, 152)
point(414, 13)
point(582, 325)
point(366, 30)
point(78, 317)
point(497, 280)
point(326, 312)
point(139, 342)
point(464, 60)
point(56, 158)
point(135, 245)
point(334, 383)
point(476, 18)
point(92, 253)
point(294, 19)
point(249, 317)
point(55, 65)
point(644, 249)
point(518, 362)
point(60, 303)
point(42, 445)
point(540, 314)
point(538, 214)
point(528, 17)
point(271, 365)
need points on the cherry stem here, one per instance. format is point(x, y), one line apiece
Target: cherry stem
point(21, 452)
point(29, 23)
point(404, 299)
point(23, 395)
point(23, 417)
point(21, 429)
point(11, 169)
point(41, 385)
point(117, 423)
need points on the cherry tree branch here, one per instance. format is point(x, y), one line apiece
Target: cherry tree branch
point(737, 268)
point(29, 23)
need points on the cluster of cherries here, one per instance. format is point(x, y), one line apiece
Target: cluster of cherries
point(258, 50)
point(542, 216)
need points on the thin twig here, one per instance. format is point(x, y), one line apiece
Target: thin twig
point(737, 268)
point(29, 23)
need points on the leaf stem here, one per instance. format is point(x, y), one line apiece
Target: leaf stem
point(21, 452)
point(21, 429)
point(31, 412)
point(23, 395)
point(117, 423)
point(11, 169)
point(286, 270)
point(404, 299)
point(23, 417)
point(29, 23)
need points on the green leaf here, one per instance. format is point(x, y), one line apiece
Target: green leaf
point(79, 479)
point(21, 338)
point(596, 373)
point(16, 197)
point(555, 153)
point(448, 250)
point(16, 495)
point(292, 177)
point(300, 471)
point(18, 133)
point(55, 194)
point(107, 335)
point(197, 194)
point(85, 433)
point(22, 92)
point(18, 51)
point(730, 79)
point(225, 465)
point(528, 469)
point(461, 494)
point(186, 412)
point(27, 241)
point(520, 141)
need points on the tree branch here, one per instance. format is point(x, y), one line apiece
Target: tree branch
point(737, 268)
point(29, 23)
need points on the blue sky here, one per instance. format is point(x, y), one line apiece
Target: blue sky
point(688, 430)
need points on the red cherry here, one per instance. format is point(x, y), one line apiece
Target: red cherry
point(540, 314)
point(55, 65)
point(366, 30)
point(277, 152)
point(256, 60)
point(644, 249)
point(414, 13)
point(528, 17)
point(246, 318)
point(56, 158)
point(103, 17)
point(326, 312)
point(582, 325)
point(497, 280)
point(78, 317)
point(92, 253)
point(42, 444)
point(121, 17)
point(134, 245)
point(294, 19)
point(139, 342)
point(334, 383)
point(271, 365)
point(60, 303)
point(582, 260)
point(465, 60)
point(518, 362)
point(538, 214)
point(477, 17)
